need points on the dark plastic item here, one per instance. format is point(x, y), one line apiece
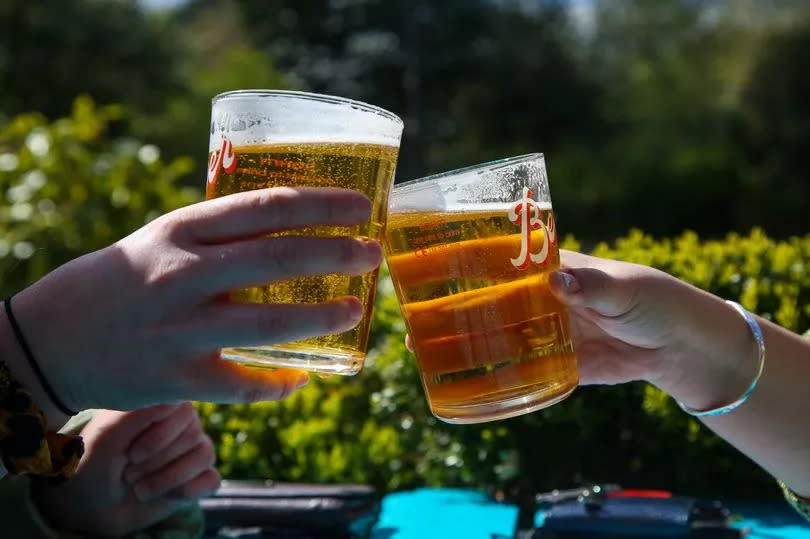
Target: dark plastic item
point(611, 512)
point(260, 510)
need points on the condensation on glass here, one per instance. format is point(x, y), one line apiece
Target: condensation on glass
point(262, 138)
point(470, 252)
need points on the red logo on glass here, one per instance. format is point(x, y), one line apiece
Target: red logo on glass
point(224, 159)
point(526, 214)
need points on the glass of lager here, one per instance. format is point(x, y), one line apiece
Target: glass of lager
point(470, 252)
point(267, 138)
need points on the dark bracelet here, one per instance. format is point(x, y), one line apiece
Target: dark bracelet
point(33, 362)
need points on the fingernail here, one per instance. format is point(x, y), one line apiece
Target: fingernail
point(372, 251)
point(365, 255)
point(355, 309)
point(569, 282)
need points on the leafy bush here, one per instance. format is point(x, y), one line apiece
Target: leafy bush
point(376, 428)
point(71, 186)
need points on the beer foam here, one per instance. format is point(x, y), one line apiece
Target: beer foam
point(489, 207)
point(457, 207)
point(255, 117)
point(488, 187)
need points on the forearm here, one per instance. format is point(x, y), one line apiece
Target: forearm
point(771, 427)
point(719, 363)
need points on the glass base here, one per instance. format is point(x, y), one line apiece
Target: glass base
point(465, 414)
point(322, 360)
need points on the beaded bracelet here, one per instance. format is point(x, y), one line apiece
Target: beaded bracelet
point(26, 447)
point(756, 331)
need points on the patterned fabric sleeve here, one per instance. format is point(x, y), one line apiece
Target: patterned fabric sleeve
point(21, 518)
point(26, 446)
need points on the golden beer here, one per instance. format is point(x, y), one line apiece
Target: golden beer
point(490, 340)
point(368, 168)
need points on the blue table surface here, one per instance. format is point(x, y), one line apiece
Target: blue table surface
point(469, 514)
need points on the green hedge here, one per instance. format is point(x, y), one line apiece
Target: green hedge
point(74, 185)
point(375, 428)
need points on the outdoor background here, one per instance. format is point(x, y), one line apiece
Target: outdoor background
point(677, 134)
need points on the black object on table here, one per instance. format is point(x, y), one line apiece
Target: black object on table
point(608, 511)
point(261, 510)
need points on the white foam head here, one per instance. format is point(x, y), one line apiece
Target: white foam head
point(489, 187)
point(250, 117)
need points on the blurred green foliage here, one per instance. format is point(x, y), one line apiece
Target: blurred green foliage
point(665, 115)
point(53, 50)
point(472, 80)
point(657, 114)
point(68, 188)
point(376, 427)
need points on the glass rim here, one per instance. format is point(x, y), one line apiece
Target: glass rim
point(483, 167)
point(311, 96)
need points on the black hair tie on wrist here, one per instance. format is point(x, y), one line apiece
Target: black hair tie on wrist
point(33, 362)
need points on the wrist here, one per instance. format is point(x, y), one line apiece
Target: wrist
point(24, 373)
point(714, 358)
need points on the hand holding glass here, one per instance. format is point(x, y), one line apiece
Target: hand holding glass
point(265, 139)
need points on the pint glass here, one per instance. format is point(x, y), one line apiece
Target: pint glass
point(470, 252)
point(273, 138)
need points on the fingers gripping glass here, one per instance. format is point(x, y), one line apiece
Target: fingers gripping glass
point(265, 139)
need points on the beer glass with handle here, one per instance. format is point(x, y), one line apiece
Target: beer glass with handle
point(268, 138)
point(470, 252)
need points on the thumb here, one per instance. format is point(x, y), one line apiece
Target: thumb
point(593, 289)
